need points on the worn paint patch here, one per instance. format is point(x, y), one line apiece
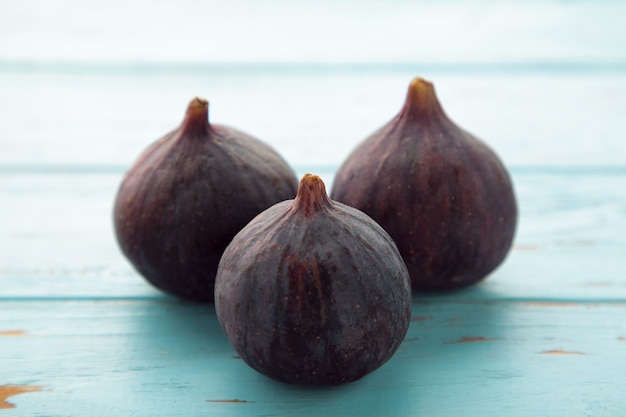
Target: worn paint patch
point(7, 391)
point(233, 401)
point(421, 318)
point(622, 339)
point(12, 333)
point(471, 339)
point(561, 352)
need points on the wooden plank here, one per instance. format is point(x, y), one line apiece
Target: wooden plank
point(151, 357)
point(58, 241)
point(312, 117)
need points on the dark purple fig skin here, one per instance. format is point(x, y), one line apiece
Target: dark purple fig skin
point(313, 292)
point(442, 194)
point(186, 197)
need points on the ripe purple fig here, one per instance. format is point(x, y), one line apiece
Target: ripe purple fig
point(313, 292)
point(442, 194)
point(188, 194)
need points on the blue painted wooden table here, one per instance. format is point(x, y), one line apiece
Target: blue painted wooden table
point(82, 334)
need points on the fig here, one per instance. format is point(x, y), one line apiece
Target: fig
point(186, 197)
point(442, 194)
point(313, 292)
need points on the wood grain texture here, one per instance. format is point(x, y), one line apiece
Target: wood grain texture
point(82, 334)
point(543, 335)
point(568, 245)
point(158, 357)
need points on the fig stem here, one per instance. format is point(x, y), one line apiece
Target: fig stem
point(311, 196)
point(197, 117)
point(421, 101)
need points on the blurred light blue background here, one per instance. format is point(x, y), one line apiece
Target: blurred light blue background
point(92, 83)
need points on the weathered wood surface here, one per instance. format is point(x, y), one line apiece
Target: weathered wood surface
point(58, 241)
point(82, 334)
point(84, 88)
point(163, 358)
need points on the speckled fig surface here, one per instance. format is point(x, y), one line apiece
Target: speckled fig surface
point(188, 194)
point(313, 292)
point(442, 194)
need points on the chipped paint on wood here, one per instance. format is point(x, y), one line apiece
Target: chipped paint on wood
point(561, 352)
point(471, 339)
point(421, 318)
point(7, 391)
point(233, 401)
point(12, 333)
point(622, 339)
